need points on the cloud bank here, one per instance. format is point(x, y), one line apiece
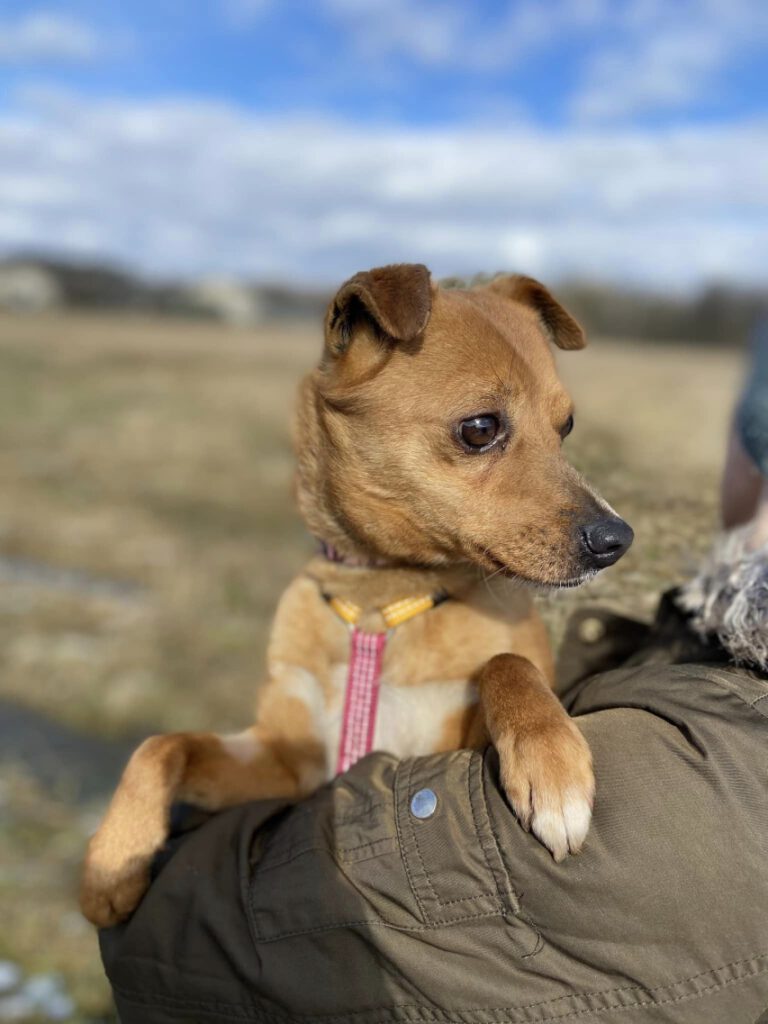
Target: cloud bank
point(185, 187)
point(48, 37)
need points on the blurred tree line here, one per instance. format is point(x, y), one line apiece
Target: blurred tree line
point(717, 314)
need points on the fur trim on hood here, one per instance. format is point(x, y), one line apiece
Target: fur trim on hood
point(728, 598)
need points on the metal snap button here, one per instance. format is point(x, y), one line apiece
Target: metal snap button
point(423, 803)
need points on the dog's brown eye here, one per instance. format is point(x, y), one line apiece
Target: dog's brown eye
point(566, 428)
point(479, 431)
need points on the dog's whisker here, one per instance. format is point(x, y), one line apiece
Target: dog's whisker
point(491, 592)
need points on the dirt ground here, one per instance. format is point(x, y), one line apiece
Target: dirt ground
point(147, 528)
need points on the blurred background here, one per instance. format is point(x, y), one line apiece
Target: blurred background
point(182, 186)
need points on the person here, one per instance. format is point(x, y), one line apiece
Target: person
point(407, 891)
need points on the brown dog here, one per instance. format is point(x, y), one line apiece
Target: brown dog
point(430, 465)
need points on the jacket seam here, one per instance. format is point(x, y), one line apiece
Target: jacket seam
point(302, 812)
point(724, 683)
point(483, 894)
point(471, 796)
point(340, 851)
point(240, 1010)
point(377, 923)
point(721, 679)
point(415, 834)
point(401, 828)
point(513, 896)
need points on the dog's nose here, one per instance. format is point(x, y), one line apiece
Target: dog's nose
point(606, 540)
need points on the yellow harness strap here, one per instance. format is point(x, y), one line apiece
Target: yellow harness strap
point(394, 613)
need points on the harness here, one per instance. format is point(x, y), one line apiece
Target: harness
point(366, 655)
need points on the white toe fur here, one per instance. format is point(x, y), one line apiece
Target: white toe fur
point(549, 828)
point(563, 829)
point(577, 814)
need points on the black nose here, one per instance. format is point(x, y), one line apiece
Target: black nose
point(606, 540)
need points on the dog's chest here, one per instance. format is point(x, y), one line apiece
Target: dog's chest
point(425, 700)
point(410, 720)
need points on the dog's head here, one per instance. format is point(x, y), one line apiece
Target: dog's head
point(431, 432)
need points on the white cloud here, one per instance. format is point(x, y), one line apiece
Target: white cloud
point(45, 36)
point(637, 56)
point(243, 12)
point(665, 56)
point(183, 187)
point(455, 35)
point(383, 27)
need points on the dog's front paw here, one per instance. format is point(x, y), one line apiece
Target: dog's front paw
point(116, 870)
point(547, 775)
point(110, 893)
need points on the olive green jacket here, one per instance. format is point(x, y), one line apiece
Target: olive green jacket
point(349, 909)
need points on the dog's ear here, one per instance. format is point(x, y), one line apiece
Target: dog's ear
point(396, 300)
point(560, 326)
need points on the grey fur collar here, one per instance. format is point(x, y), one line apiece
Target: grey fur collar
point(728, 598)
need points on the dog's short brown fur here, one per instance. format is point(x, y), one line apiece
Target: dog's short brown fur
point(387, 478)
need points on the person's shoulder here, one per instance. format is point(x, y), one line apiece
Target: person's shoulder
point(610, 661)
point(714, 702)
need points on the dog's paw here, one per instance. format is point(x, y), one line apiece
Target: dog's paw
point(116, 869)
point(110, 893)
point(547, 776)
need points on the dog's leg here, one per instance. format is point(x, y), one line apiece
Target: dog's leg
point(546, 764)
point(210, 771)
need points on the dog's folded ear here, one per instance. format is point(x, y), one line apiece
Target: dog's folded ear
point(560, 326)
point(396, 300)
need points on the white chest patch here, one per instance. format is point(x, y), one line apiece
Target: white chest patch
point(410, 720)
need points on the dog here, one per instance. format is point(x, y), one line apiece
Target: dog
point(430, 468)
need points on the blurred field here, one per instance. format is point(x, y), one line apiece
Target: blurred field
point(147, 527)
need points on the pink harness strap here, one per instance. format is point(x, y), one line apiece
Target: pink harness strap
point(358, 724)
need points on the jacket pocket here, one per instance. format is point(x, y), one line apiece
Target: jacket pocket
point(333, 861)
point(355, 854)
point(453, 863)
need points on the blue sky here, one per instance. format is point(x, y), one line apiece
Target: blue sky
point(625, 139)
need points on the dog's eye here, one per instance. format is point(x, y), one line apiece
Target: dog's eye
point(566, 428)
point(479, 431)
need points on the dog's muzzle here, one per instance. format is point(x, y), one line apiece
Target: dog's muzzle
point(604, 541)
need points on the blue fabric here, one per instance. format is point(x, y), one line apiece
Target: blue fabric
point(752, 411)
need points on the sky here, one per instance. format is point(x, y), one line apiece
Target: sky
point(302, 140)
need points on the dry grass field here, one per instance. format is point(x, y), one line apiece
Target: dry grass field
point(147, 528)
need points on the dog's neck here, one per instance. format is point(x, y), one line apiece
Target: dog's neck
point(375, 583)
point(332, 554)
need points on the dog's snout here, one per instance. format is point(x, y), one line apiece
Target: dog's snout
point(605, 540)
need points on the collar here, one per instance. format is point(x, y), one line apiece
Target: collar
point(393, 612)
point(332, 554)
